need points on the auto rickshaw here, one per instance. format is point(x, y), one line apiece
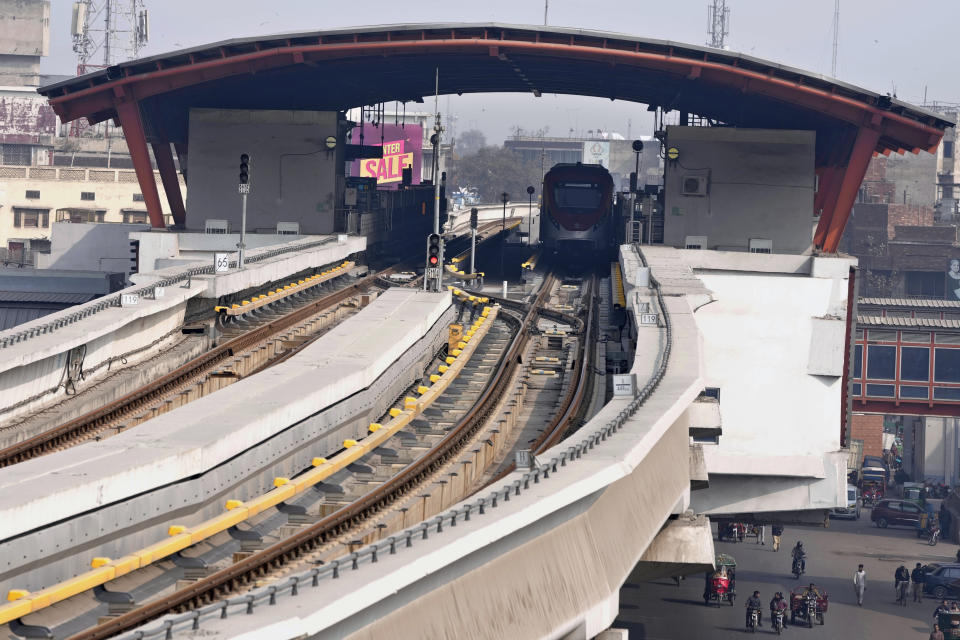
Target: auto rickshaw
point(808, 607)
point(949, 622)
point(720, 584)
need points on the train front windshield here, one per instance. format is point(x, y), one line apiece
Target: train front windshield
point(578, 195)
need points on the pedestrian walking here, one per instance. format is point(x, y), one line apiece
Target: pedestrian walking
point(936, 634)
point(901, 580)
point(917, 577)
point(860, 584)
point(761, 533)
point(777, 531)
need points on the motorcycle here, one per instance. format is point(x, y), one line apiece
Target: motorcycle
point(777, 620)
point(797, 568)
point(754, 621)
point(811, 605)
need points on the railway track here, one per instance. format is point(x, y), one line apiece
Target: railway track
point(331, 530)
point(271, 335)
point(188, 382)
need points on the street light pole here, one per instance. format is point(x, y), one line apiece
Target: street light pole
point(503, 241)
point(530, 191)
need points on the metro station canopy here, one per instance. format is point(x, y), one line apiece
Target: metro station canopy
point(336, 70)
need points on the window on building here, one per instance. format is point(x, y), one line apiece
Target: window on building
point(88, 195)
point(16, 154)
point(858, 361)
point(712, 392)
point(946, 365)
point(948, 148)
point(925, 284)
point(130, 217)
point(138, 197)
point(913, 392)
point(915, 364)
point(31, 218)
point(80, 215)
point(33, 195)
point(881, 362)
point(880, 390)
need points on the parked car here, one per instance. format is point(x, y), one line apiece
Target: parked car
point(942, 581)
point(852, 510)
point(902, 513)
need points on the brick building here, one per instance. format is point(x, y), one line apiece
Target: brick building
point(904, 249)
point(869, 429)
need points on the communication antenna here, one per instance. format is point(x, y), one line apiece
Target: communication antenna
point(718, 23)
point(106, 32)
point(109, 30)
point(836, 37)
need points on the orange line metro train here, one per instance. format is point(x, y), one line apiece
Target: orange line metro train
point(577, 210)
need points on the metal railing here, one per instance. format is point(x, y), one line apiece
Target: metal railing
point(63, 319)
point(247, 603)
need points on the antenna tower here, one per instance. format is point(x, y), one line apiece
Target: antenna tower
point(836, 37)
point(718, 23)
point(106, 32)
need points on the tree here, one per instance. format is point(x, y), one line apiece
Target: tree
point(493, 170)
point(470, 142)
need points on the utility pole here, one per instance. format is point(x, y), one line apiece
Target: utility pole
point(836, 36)
point(718, 23)
point(546, 5)
point(435, 138)
point(530, 191)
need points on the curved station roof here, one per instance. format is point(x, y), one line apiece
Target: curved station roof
point(335, 70)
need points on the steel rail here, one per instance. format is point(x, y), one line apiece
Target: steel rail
point(78, 427)
point(573, 400)
point(90, 422)
point(336, 524)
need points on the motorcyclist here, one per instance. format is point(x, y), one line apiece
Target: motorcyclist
point(755, 603)
point(778, 604)
point(799, 554)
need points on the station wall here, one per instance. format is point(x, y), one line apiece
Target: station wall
point(758, 183)
point(760, 343)
point(293, 176)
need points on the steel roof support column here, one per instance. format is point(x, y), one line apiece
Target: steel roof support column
point(171, 186)
point(128, 111)
point(836, 209)
point(828, 184)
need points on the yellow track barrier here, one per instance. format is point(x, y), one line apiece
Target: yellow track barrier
point(246, 306)
point(616, 280)
point(22, 602)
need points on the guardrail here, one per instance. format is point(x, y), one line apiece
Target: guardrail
point(247, 603)
point(14, 336)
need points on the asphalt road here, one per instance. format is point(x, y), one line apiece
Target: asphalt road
point(661, 610)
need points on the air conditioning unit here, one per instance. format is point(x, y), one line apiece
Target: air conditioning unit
point(760, 245)
point(212, 225)
point(693, 185)
point(695, 242)
point(288, 228)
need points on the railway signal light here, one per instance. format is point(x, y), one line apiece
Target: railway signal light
point(134, 256)
point(433, 249)
point(244, 168)
point(474, 218)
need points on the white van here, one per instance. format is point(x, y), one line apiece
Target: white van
point(854, 503)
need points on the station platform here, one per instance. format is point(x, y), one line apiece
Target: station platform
point(33, 356)
point(210, 432)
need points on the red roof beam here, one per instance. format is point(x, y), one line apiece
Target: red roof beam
point(837, 106)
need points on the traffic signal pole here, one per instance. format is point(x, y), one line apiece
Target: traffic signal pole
point(244, 189)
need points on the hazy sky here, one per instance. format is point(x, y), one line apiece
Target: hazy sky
point(885, 45)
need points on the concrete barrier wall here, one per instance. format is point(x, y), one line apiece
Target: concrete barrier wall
point(31, 370)
point(57, 552)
